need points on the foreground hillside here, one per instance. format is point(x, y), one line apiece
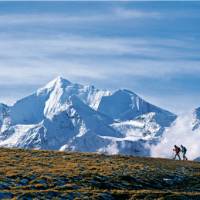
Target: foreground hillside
point(26, 174)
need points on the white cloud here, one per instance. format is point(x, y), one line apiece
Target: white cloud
point(179, 133)
point(73, 57)
point(36, 48)
point(31, 19)
point(133, 13)
point(115, 13)
point(79, 45)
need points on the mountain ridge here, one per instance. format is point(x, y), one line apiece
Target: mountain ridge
point(68, 116)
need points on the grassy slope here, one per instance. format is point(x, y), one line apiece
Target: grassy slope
point(47, 174)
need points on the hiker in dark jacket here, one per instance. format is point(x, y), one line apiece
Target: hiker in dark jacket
point(177, 152)
point(184, 150)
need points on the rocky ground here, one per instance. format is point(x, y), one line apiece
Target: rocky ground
point(27, 174)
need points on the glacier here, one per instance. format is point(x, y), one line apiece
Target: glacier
point(68, 116)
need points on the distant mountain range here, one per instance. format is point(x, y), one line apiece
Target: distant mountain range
point(69, 116)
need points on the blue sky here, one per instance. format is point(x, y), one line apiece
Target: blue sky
point(152, 48)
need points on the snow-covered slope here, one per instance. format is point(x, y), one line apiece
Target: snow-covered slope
point(126, 105)
point(51, 99)
point(67, 116)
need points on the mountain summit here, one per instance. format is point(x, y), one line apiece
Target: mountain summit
point(70, 116)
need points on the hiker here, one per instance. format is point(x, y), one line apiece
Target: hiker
point(184, 150)
point(177, 152)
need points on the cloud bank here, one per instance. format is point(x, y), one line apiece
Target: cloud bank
point(179, 133)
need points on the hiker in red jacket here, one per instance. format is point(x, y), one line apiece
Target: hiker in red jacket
point(177, 151)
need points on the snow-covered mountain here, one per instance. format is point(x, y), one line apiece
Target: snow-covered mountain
point(126, 105)
point(67, 116)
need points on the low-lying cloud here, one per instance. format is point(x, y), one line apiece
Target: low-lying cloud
point(179, 133)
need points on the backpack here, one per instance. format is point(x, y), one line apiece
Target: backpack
point(184, 150)
point(178, 149)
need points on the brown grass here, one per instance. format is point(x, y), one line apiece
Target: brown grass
point(47, 174)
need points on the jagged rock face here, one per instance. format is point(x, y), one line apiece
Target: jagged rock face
point(67, 116)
